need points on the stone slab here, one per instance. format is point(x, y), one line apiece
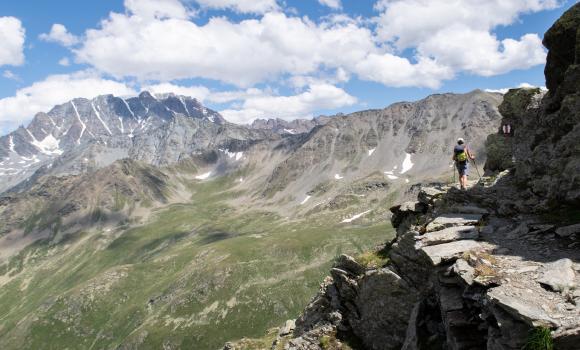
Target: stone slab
point(521, 306)
point(453, 219)
point(449, 234)
point(438, 254)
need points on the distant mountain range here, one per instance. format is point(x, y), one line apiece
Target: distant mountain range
point(153, 221)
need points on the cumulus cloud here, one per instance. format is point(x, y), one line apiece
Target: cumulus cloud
point(333, 4)
point(409, 22)
point(458, 34)
point(65, 62)
point(199, 92)
point(243, 53)
point(302, 105)
point(160, 9)
point(12, 36)
point(156, 40)
point(522, 85)
point(60, 35)
point(8, 74)
point(396, 71)
point(43, 95)
point(242, 6)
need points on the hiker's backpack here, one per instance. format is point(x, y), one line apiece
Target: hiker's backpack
point(460, 154)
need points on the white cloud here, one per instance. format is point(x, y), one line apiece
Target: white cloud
point(43, 95)
point(409, 22)
point(396, 71)
point(157, 41)
point(149, 9)
point(242, 53)
point(12, 36)
point(242, 6)
point(522, 85)
point(59, 34)
point(482, 53)
point(458, 34)
point(198, 92)
point(65, 62)
point(333, 4)
point(316, 97)
point(8, 74)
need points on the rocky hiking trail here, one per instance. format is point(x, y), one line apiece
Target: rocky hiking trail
point(462, 274)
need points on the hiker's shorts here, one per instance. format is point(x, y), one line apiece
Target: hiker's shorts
point(462, 168)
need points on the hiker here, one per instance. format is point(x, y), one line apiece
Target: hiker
point(461, 156)
point(507, 129)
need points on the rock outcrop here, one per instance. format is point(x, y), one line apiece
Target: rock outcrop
point(486, 268)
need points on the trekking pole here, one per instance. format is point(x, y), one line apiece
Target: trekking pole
point(476, 169)
point(454, 168)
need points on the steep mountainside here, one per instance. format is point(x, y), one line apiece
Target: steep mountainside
point(494, 267)
point(297, 126)
point(153, 223)
point(79, 125)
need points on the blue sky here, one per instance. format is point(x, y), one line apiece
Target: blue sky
point(267, 58)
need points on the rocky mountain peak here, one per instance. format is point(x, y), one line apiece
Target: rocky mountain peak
point(105, 119)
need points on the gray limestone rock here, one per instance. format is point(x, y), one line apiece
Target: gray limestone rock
point(567, 231)
point(384, 303)
point(428, 195)
point(558, 275)
point(449, 234)
point(348, 263)
point(464, 270)
point(288, 328)
point(438, 254)
point(522, 306)
point(450, 220)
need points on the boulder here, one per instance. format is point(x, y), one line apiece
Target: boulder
point(428, 195)
point(406, 210)
point(438, 254)
point(384, 303)
point(559, 275)
point(288, 328)
point(347, 263)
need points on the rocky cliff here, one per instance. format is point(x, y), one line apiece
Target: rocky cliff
point(493, 267)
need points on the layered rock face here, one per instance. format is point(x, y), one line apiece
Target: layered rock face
point(495, 267)
point(460, 276)
point(544, 150)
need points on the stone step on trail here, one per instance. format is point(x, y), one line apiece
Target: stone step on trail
point(468, 209)
point(450, 234)
point(453, 219)
point(441, 253)
point(523, 304)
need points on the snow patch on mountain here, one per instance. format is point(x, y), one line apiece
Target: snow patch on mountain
point(11, 144)
point(203, 176)
point(236, 155)
point(101, 119)
point(355, 217)
point(49, 146)
point(83, 125)
point(407, 164)
point(305, 200)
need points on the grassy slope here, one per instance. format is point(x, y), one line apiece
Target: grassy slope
point(197, 275)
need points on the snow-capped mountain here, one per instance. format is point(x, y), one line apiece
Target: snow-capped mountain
point(79, 123)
